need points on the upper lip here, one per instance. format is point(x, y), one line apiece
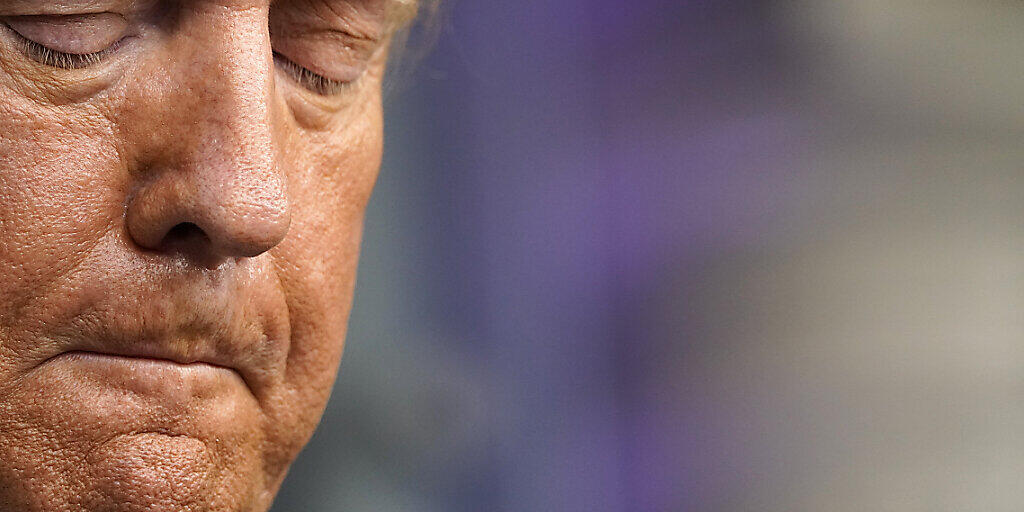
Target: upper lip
point(204, 340)
point(192, 355)
point(222, 318)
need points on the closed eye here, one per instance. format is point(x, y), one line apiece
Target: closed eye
point(63, 60)
point(70, 41)
point(308, 79)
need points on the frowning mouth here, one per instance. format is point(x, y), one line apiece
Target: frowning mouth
point(183, 364)
point(177, 338)
point(173, 377)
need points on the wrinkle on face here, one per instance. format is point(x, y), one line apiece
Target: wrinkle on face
point(195, 106)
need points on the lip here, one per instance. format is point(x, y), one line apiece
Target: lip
point(172, 360)
point(140, 361)
point(155, 380)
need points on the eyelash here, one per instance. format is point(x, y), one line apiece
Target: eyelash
point(313, 81)
point(63, 60)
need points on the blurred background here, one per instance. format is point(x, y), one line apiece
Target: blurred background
point(683, 255)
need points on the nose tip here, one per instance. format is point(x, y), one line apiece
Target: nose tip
point(170, 216)
point(250, 236)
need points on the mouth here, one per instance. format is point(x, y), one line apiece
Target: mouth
point(180, 363)
point(189, 334)
point(149, 371)
point(95, 390)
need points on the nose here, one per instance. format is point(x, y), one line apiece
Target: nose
point(234, 215)
point(209, 177)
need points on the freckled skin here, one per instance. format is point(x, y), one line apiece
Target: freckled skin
point(183, 195)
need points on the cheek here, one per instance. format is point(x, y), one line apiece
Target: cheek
point(317, 261)
point(59, 190)
point(329, 186)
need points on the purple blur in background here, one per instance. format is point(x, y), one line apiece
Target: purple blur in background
point(666, 256)
point(548, 167)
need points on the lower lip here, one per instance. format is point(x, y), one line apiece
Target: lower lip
point(147, 376)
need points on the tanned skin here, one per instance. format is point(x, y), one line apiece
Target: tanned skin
point(182, 192)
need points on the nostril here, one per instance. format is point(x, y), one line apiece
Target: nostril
point(183, 235)
point(184, 230)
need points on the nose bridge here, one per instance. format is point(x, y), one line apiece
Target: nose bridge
point(220, 146)
point(226, 92)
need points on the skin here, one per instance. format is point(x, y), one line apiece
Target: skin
point(179, 229)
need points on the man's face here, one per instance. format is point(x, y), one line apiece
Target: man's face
point(182, 187)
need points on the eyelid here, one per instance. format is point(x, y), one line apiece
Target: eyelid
point(62, 60)
point(79, 34)
point(331, 56)
point(315, 82)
